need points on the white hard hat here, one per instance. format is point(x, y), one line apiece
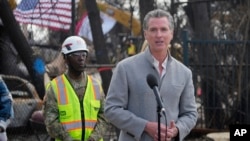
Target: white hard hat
point(73, 44)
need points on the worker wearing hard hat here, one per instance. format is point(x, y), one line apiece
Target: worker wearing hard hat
point(73, 104)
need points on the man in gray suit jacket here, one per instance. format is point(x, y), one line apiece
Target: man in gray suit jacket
point(131, 104)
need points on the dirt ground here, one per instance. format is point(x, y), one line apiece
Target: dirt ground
point(45, 137)
point(26, 137)
point(39, 134)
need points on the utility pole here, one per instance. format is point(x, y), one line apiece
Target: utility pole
point(99, 42)
point(73, 15)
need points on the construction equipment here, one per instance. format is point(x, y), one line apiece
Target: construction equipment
point(123, 17)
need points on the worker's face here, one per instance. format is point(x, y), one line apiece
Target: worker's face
point(76, 61)
point(158, 34)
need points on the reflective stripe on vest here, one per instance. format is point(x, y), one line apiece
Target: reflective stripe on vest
point(69, 106)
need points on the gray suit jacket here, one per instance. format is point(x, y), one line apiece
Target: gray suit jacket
point(131, 103)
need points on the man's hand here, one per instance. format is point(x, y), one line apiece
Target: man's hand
point(167, 133)
point(173, 129)
point(91, 139)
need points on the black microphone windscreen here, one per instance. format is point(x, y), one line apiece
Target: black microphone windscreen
point(152, 81)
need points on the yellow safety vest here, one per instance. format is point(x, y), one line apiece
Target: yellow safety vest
point(69, 106)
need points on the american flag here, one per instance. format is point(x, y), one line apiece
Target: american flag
point(54, 14)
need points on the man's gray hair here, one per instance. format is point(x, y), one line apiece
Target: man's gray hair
point(158, 13)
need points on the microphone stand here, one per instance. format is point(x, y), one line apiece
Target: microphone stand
point(159, 122)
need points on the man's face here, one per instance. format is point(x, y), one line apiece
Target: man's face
point(76, 60)
point(158, 34)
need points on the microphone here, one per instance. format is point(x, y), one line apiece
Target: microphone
point(153, 84)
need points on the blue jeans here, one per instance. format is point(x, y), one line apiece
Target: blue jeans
point(6, 110)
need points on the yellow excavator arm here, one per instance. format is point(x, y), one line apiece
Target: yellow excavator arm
point(121, 16)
